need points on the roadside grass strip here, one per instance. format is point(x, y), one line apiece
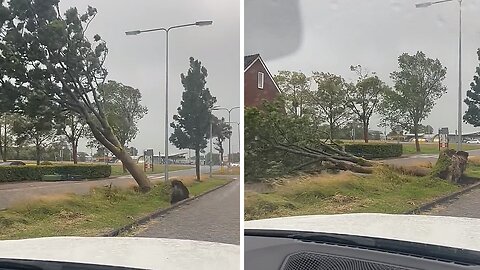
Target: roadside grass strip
point(103, 210)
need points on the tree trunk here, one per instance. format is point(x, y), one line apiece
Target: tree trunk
point(112, 144)
point(197, 163)
point(365, 132)
point(75, 152)
point(137, 173)
point(37, 153)
point(415, 131)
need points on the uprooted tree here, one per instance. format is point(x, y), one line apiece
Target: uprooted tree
point(64, 65)
point(277, 143)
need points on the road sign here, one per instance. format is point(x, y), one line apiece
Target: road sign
point(442, 138)
point(148, 159)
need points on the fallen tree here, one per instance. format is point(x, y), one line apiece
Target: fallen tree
point(278, 143)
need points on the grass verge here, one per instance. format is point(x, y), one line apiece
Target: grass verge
point(228, 171)
point(100, 211)
point(117, 169)
point(385, 191)
point(432, 148)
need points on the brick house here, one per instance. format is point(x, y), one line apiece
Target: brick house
point(259, 83)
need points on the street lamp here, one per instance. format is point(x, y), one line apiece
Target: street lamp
point(459, 119)
point(238, 128)
point(229, 144)
point(167, 30)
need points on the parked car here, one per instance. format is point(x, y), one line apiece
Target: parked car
point(476, 141)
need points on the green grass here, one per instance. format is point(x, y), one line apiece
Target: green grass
point(228, 171)
point(117, 169)
point(432, 148)
point(385, 191)
point(88, 215)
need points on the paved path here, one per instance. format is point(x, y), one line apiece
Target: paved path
point(415, 159)
point(214, 217)
point(14, 193)
point(466, 205)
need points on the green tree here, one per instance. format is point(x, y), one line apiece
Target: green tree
point(365, 95)
point(330, 99)
point(123, 110)
point(221, 131)
point(73, 128)
point(418, 85)
point(294, 86)
point(192, 123)
point(66, 66)
point(38, 131)
point(472, 115)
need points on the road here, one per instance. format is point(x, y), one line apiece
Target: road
point(214, 217)
point(14, 193)
point(415, 159)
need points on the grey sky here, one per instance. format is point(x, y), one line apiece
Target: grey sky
point(139, 61)
point(332, 35)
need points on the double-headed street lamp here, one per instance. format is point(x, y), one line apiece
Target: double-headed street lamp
point(229, 144)
point(167, 30)
point(428, 4)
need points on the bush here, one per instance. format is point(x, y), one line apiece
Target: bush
point(35, 173)
point(46, 163)
point(374, 150)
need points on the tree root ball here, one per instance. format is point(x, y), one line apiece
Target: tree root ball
point(451, 165)
point(179, 191)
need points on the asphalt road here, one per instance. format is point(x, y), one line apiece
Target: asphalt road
point(14, 193)
point(214, 217)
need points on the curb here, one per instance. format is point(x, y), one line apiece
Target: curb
point(429, 205)
point(158, 213)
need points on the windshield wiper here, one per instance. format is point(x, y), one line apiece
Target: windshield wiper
point(427, 251)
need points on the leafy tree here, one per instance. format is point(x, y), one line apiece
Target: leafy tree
point(73, 128)
point(294, 86)
point(365, 95)
point(192, 123)
point(330, 99)
point(222, 131)
point(65, 66)
point(418, 85)
point(123, 109)
point(37, 130)
point(472, 115)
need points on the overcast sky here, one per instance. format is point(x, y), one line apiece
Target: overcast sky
point(139, 61)
point(331, 35)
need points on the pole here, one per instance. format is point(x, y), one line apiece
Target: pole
point(229, 144)
point(238, 125)
point(211, 152)
point(459, 143)
point(166, 107)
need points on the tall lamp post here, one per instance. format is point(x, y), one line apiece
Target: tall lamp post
point(167, 30)
point(229, 121)
point(459, 119)
point(238, 129)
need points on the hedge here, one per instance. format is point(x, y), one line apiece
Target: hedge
point(375, 150)
point(35, 173)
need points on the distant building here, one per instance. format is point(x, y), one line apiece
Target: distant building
point(259, 84)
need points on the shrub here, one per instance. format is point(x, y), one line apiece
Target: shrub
point(375, 150)
point(46, 163)
point(35, 173)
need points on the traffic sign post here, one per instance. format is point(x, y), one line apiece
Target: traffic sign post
point(148, 159)
point(442, 139)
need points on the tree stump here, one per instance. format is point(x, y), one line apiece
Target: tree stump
point(450, 165)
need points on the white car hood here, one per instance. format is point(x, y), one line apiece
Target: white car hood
point(457, 232)
point(144, 253)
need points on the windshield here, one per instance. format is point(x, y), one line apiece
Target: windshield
point(359, 107)
point(120, 120)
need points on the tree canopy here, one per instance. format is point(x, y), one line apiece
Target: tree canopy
point(192, 122)
point(472, 115)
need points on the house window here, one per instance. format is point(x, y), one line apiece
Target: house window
point(260, 80)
